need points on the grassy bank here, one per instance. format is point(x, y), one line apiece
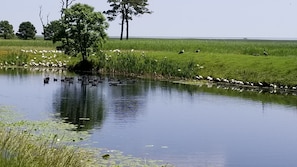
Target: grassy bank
point(35, 144)
point(54, 144)
point(232, 59)
point(242, 60)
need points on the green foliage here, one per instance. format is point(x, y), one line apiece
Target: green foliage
point(6, 30)
point(13, 58)
point(34, 144)
point(52, 29)
point(83, 30)
point(231, 59)
point(126, 9)
point(35, 58)
point(140, 63)
point(26, 31)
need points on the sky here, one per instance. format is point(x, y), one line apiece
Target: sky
point(179, 18)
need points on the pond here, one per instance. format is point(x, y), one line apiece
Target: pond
point(179, 124)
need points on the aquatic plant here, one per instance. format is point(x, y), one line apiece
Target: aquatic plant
point(53, 143)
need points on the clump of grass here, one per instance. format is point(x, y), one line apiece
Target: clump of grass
point(18, 149)
point(140, 63)
point(13, 58)
point(35, 58)
point(31, 144)
point(50, 143)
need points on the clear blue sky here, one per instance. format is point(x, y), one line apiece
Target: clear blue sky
point(176, 18)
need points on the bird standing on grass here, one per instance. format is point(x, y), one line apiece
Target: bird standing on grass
point(265, 53)
point(181, 52)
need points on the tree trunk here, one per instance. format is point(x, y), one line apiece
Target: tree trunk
point(127, 22)
point(127, 28)
point(122, 25)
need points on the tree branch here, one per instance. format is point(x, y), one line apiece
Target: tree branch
point(40, 16)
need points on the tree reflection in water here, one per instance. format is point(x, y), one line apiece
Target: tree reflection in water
point(80, 104)
point(127, 101)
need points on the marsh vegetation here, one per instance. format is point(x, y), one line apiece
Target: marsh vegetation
point(240, 60)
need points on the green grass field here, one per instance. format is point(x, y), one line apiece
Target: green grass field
point(232, 59)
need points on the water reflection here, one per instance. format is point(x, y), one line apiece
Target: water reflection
point(86, 104)
point(126, 101)
point(79, 104)
point(181, 124)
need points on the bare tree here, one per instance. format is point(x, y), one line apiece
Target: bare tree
point(41, 19)
point(65, 5)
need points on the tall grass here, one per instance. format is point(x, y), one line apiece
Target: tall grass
point(232, 59)
point(18, 149)
point(139, 63)
point(55, 144)
point(29, 144)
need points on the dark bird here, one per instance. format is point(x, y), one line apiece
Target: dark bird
point(265, 53)
point(106, 156)
point(181, 52)
point(46, 80)
point(197, 51)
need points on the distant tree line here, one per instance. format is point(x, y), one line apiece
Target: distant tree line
point(125, 9)
point(80, 30)
point(26, 30)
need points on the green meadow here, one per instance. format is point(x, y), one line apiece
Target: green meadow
point(242, 60)
point(232, 59)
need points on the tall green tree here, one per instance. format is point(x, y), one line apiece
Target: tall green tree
point(52, 30)
point(26, 31)
point(126, 9)
point(6, 30)
point(82, 29)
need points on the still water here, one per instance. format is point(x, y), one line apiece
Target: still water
point(182, 125)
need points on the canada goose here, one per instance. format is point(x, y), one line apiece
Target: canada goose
point(46, 80)
point(265, 53)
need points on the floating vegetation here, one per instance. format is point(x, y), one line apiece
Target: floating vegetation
point(55, 144)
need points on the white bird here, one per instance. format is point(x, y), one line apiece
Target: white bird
point(209, 78)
